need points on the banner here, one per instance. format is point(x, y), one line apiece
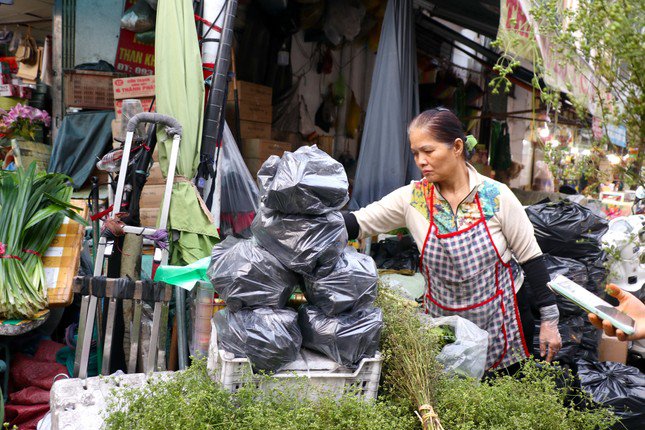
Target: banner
point(133, 57)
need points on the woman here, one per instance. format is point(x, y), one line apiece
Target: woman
point(468, 228)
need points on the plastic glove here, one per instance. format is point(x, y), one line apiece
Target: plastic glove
point(550, 340)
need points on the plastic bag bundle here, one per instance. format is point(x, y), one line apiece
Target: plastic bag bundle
point(617, 386)
point(351, 286)
point(139, 18)
point(309, 245)
point(567, 229)
point(239, 201)
point(467, 355)
point(307, 181)
point(247, 276)
point(346, 339)
point(269, 338)
point(579, 340)
point(267, 172)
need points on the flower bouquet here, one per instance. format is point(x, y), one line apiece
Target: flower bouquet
point(22, 122)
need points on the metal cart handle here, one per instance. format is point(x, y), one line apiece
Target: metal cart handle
point(172, 125)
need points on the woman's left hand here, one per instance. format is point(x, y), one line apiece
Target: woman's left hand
point(550, 340)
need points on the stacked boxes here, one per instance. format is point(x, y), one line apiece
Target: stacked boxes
point(137, 87)
point(254, 103)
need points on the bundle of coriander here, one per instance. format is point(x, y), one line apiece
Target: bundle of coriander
point(411, 372)
point(32, 209)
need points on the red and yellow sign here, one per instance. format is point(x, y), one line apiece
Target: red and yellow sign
point(132, 57)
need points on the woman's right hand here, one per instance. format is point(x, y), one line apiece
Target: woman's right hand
point(629, 304)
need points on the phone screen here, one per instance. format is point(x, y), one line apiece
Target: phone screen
point(619, 316)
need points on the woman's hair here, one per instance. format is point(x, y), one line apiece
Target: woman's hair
point(443, 125)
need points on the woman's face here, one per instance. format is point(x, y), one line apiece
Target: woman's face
point(436, 160)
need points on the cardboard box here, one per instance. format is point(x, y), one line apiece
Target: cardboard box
point(62, 259)
point(134, 88)
point(252, 112)
point(148, 216)
point(146, 102)
point(155, 177)
point(152, 196)
point(612, 349)
point(254, 130)
point(254, 165)
point(263, 148)
point(88, 89)
point(251, 93)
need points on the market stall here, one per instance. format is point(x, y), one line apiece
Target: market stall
point(211, 240)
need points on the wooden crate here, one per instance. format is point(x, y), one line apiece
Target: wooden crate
point(263, 148)
point(26, 152)
point(88, 89)
point(62, 258)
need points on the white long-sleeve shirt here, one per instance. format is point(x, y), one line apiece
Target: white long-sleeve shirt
point(509, 226)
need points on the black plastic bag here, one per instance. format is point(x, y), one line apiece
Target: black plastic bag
point(269, 338)
point(309, 245)
point(567, 229)
point(307, 181)
point(597, 272)
point(247, 276)
point(346, 339)
point(579, 340)
point(351, 286)
point(396, 254)
point(618, 386)
point(573, 270)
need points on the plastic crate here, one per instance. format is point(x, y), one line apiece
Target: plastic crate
point(88, 89)
point(319, 373)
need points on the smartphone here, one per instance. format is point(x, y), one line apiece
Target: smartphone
point(592, 303)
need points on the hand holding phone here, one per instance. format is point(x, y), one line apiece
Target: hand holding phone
point(629, 304)
point(613, 317)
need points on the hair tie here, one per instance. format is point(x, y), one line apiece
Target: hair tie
point(471, 142)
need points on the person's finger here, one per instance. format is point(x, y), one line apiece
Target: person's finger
point(617, 293)
point(595, 321)
point(542, 348)
point(621, 335)
point(551, 354)
point(609, 329)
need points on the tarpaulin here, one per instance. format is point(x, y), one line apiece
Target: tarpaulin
point(385, 162)
point(82, 140)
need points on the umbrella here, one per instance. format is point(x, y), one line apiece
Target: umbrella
point(385, 162)
point(180, 94)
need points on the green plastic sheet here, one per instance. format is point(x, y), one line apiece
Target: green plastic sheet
point(184, 276)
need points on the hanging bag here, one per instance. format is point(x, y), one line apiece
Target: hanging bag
point(27, 51)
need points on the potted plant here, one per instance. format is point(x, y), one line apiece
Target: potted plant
point(22, 136)
point(24, 122)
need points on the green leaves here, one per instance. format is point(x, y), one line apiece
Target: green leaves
point(32, 209)
point(191, 400)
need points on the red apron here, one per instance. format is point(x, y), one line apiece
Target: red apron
point(467, 277)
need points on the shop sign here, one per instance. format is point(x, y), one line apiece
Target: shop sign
point(132, 57)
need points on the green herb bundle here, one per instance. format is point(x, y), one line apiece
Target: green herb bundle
point(32, 209)
point(411, 373)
